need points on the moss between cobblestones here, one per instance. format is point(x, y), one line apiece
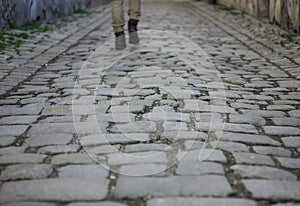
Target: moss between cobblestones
point(233, 178)
point(288, 36)
point(231, 10)
point(16, 36)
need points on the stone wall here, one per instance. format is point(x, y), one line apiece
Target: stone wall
point(285, 13)
point(22, 11)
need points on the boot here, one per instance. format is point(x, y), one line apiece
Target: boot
point(120, 41)
point(133, 33)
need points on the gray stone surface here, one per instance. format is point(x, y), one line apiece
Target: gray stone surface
point(22, 158)
point(172, 186)
point(199, 168)
point(58, 149)
point(83, 171)
point(55, 189)
point(137, 157)
point(48, 139)
point(78, 158)
point(55, 79)
point(144, 170)
point(28, 204)
point(13, 130)
point(12, 150)
point(7, 140)
point(113, 138)
point(273, 189)
point(263, 172)
point(292, 163)
point(96, 204)
point(26, 171)
point(192, 201)
point(18, 119)
point(249, 138)
point(252, 158)
point(280, 130)
point(291, 141)
point(201, 155)
point(274, 151)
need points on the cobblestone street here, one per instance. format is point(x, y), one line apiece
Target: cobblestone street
point(204, 111)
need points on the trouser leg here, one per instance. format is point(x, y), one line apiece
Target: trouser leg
point(118, 21)
point(134, 11)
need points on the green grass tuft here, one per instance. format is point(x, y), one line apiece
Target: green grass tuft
point(81, 11)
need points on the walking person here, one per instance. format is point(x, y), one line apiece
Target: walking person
point(118, 22)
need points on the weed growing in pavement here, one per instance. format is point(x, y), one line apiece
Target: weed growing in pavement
point(231, 10)
point(288, 36)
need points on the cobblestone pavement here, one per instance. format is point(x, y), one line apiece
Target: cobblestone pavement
point(204, 111)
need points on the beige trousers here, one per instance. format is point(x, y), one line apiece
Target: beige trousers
point(117, 11)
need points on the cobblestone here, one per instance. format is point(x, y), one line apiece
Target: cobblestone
point(275, 151)
point(199, 201)
point(252, 158)
point(263, 172)
point(289, 162)
point(55, 189)
point(273, 189)
point(215, 185)
point(26, 171)
point(22, 158)
point(207, 109)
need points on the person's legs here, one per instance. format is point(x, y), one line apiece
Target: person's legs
point(118, 23)
point(134, 13)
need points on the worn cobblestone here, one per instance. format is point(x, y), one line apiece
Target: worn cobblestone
point(234, 105)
